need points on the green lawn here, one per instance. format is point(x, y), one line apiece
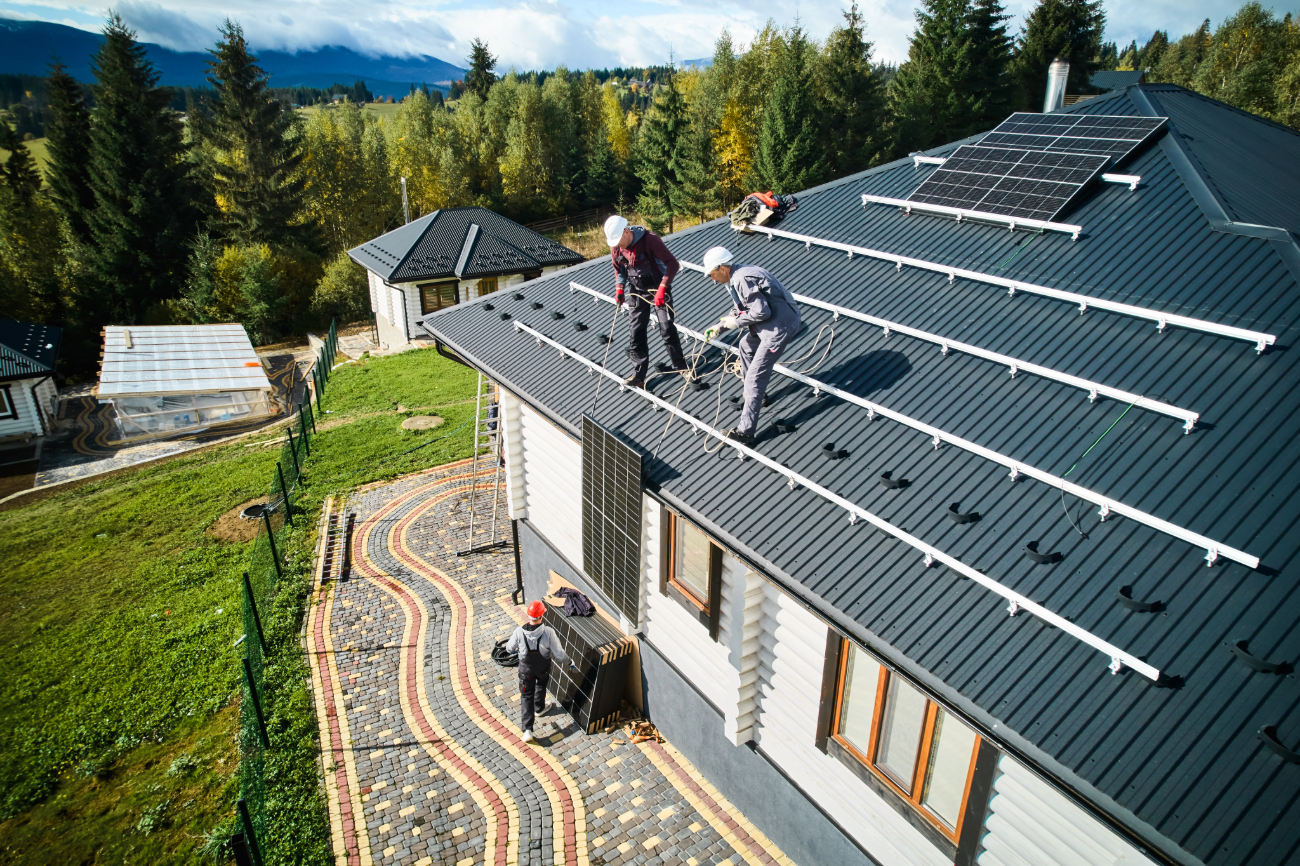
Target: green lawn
point(40, 152)
point(381, 109)
point(118, 617)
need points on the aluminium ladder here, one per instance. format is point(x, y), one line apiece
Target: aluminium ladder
point(487, 431)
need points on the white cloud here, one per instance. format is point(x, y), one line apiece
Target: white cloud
point(535, 34)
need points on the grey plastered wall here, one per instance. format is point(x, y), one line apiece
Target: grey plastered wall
point(744, 776)
point(537, 560)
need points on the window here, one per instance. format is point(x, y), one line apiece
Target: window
point(693, 571)
point(487, 286)
point(531, 275)
point(7, 408)
point(437, 296)
point(922, 752)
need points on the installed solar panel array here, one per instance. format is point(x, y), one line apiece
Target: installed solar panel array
point(1033, 165)
point(611, 517)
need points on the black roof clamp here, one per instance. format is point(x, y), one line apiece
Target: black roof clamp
point(1255, 663)
point(1124, 595)
point(957, 516)
point(829, 451)
point(537, 305)
point(518, 296)
point(604, 338)
point(488, 307)
point(555, 316)
point(1268, 734)
point(1031, 551)
point(784, 426)
point(889, 482)
point(579, 326)
point(699, 385)
point(505, 316)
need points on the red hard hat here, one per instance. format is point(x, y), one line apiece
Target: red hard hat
point(536, 609)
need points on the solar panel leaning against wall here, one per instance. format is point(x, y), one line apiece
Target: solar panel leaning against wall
point(611, 517)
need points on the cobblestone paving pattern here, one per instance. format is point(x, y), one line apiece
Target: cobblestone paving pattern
point(424, 762)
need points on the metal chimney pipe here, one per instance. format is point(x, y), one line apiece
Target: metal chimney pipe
point(406, 206)
point(1057, 73)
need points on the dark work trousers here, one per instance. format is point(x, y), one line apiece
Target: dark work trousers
point(639, 306)
point(533, 679)
point(758, 355)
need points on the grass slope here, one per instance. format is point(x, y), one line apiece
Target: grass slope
point(117, 620)
point(40, 152)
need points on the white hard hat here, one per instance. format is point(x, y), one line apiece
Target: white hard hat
point(614, 229)
point(716, 256)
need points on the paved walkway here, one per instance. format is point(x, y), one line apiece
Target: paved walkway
point(423, 759)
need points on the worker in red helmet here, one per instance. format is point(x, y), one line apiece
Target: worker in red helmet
point(536, 645)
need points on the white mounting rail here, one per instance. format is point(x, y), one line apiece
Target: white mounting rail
point(920, 159)
point(1131, 179)
point(1118, 657)
point(1162, 320)
point(1213, 549)
point(1188, 417)
point(983, 216)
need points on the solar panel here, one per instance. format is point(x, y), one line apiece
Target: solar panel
point(611, 517)
point(1021, 183)
point(1114, 137)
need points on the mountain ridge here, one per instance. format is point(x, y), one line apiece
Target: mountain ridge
point(27, 47)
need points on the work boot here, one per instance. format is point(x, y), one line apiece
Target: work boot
point(736, 436)
point(633, 382)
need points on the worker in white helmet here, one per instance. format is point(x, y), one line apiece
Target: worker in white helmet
point(768, 311)
point(644, 270)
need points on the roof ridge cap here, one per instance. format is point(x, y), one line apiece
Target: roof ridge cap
point(433, 218)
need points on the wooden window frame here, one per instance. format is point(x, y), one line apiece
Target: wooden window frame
point(706, 610)
point(924, 751)
point(493, 281)
point(435, 287)
point(8, 406)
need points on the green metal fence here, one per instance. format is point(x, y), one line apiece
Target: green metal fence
point(260, 583)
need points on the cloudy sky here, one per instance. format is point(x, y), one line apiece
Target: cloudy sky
point(535, 34)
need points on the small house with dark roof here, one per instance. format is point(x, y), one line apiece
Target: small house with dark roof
point(1011, 574)
point(28, 396)
point(448, 257)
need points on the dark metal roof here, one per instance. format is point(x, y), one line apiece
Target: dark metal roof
point(27, 350)
point(1180, 768)
point(1115, 79)
point(460, 242)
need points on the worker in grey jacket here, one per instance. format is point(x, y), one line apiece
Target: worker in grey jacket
point(536, 645)
point(769, 312)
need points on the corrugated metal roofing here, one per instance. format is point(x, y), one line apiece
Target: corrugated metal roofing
point(27, 350)
point(1115, 79)
point(179, 359)
point(439, 245)
point(1182, 768)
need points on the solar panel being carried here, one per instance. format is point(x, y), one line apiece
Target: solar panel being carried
point(1033, 165)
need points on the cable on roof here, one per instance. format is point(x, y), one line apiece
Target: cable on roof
point(608, 341)
point(1068, 516)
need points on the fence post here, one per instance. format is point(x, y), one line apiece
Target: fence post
point(257, 707)
point(302, 418)
point(270, 537)
point(284, 491)
point(257, 619)
point(320, 387)
point(293, 452)
point(239, 847)
point(249, 836)
point(313, 422)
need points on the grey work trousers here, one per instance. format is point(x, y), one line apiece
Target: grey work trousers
point(758, 355)
point(639, 309)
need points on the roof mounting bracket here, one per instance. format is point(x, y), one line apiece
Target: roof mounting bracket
point(1211, 556)
point(1161, 324)
point(1083, 307)
point(1131, 179)
point(1014, 369)
point(1012, 285)
point(929, 559)
point(1189, 426)
point(1115, 666)
point(1104, 512)
point(943, 348)
point(1092, 395)
point(853, 518)
point(1015, 473)
point(1013, 608)
point(956, 565)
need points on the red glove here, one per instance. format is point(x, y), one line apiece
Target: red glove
point(618, 297)
point(659, 295)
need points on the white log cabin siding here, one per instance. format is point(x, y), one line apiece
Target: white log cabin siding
point(792, 646)
point(678, 633)
point(512, 451)
point(1029, 823)
point(29, 422)
point(551, 464)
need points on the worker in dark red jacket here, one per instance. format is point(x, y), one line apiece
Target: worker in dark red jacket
point(644, 270)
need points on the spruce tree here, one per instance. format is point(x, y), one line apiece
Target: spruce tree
point(1180, 61)
point(663, 127)
point(67, 133)
point(929, 97)
point(790, 155)
point(480, 78)
point(989, 58)
point(142, 219)
point(1069, 29)
point(854, 100)
point(695, 163)
point(254, 175)
point(19, 172)
point(1151, 53)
